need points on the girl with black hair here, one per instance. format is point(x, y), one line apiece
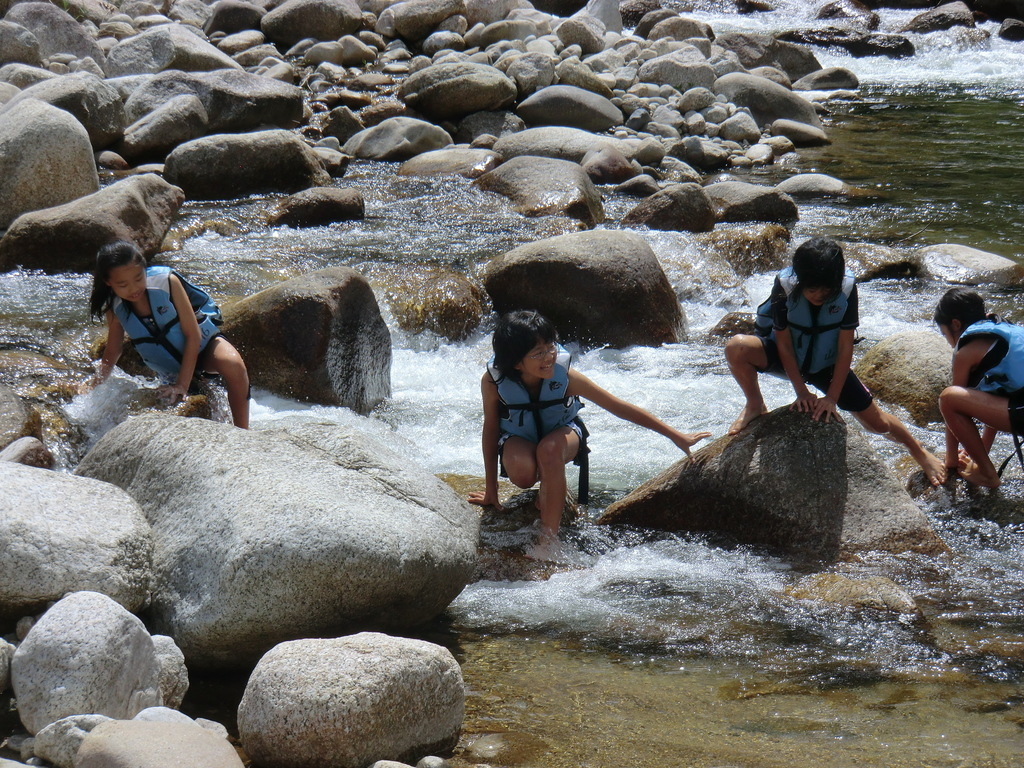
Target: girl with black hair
point(531, 400)
point(805, 333)
point(171, 336)
point(988, 384)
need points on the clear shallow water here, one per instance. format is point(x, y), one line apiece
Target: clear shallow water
point(678, 650)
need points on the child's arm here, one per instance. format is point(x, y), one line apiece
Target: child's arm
point(844, 360)
point(584, 387)
point(190, 329)
point(805, 399)
point(111, 353)
point(489, 444)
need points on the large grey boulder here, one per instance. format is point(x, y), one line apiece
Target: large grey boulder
point(682, 69)
point(909, 369)
point(678, 207)
point(233, 100)
point(620, 295)
point(560, 142)
point(803, 185)
point(738, 201)
point(397, 138)
point(812, 490)
point(319, 206)
point(305, 532)
point(55, 30)
point(18, 44)
point(541, 186)
point(413, 20)
point(234, 165)
point(318, 338)
point(946, 16)
point(461, 161)
point(94, 103)
point(532, 71)
point(65, 238)
point(305, 704)
point(766, 100)
point(453, 90)
point(45, 159)
point(86, 655)
point(571, 106)
point(145, 744)
point(757, 49)
point(583, 30)
point(963, 265)
point(182, 118)
point(62, 534)
point(232, 16)
point(830, 78)
point(295, 20)
point(168, 46)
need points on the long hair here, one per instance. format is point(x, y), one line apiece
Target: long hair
point(818, 263)
point(110, 257)
point(960, 304)
point(515, 335)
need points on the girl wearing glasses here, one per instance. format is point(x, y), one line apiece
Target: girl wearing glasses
point(531, 426)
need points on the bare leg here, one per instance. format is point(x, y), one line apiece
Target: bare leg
point(519, 457)
point(875, 420)
point(221, 357)
point(960, 406)
point(553, 451)
point(747, 358)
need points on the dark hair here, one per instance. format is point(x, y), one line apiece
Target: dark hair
point(515, 335)
point(818, 263)
point(960, 304)
point(110, 257)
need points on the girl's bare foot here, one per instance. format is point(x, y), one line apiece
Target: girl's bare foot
point(747, 415)
point(934, 469)
point(970, 472)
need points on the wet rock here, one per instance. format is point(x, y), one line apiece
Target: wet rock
point(738, 201)
point(804, 185)
point(66, 238)
point(55, 30)
point(173, 672)
point(731, 325)
point(468, 162)
point(18, 44)
point(62, 534)
point(451, 91)
point(853, 11)
point(608, 166)
point(317, 206)
point(828, 79)
point(909, 369)
point(166, 47)
point(947, 16)
point(29, 451)
point(341, 123)
point(620, 294)
point(397, 138)
point(857, 43)
point(767, 101)
point(700, 153)
point(232, 16)
point(318, 338)
point(444, 303)
point(181, 119)
point(680, 28)
point(141, 744)
point(1012, 30)
point(58, 742)
point(559, 142)
point(809, 489)
point(86, 655)
point(418, 706)
point(869, 261)
point(633, 11)
point(234, 165)
point(963, 265)
point(874, 592)
point(295, 20)
point(756, 49)
point(683, 69)
point(542, 186)
point(678, 207)
point(801, 134)
point(45, 159)
point(639, 186)
point(354, 534)
point(413, 20)
point(750, 250)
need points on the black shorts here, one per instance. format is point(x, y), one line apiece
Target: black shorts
point(854, 397)
point(1016, 406)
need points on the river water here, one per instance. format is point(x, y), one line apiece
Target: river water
point(674, 650)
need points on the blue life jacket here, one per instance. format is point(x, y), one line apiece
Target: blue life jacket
point(532, 417)
point(162, 350)
point(815, 335)
point(1007, 375)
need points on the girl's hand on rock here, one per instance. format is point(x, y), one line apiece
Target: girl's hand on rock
point(485, 499)
point(826, 406)
point(172, 393)
point(685, 440)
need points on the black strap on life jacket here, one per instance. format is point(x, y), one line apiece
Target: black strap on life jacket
point(160, 337)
